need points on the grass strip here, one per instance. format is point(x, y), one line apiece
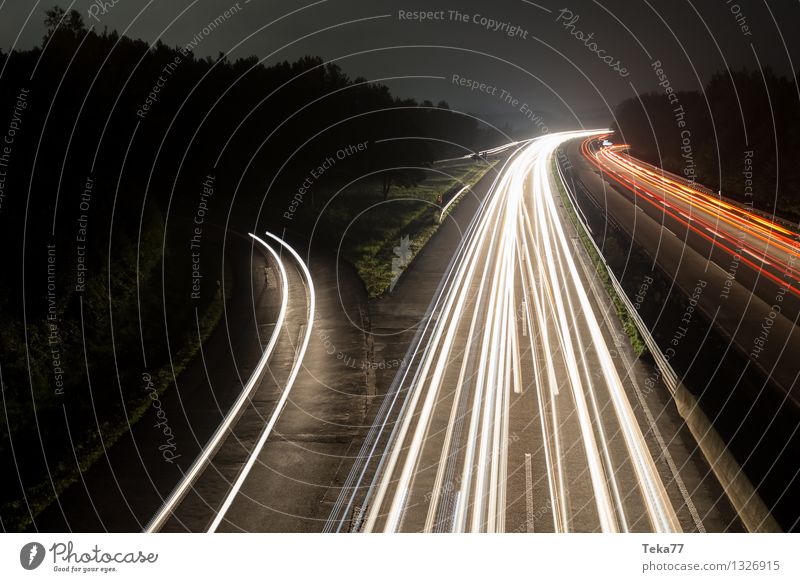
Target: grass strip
point(638, 345)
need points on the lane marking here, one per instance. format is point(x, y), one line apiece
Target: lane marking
point(525, 320)
point(759, 257)
point(528, 493)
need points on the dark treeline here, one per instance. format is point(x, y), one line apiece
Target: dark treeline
point(116, 147)
point(742, 126)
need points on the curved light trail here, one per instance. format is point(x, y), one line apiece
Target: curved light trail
point(297, 365)
point(765, 246)
point(221, 433)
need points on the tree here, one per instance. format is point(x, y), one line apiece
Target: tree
point(401, 162)
point(403, 177)
point(58, 20)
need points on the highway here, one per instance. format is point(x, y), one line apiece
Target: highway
point(513, 413)
point(734, 340)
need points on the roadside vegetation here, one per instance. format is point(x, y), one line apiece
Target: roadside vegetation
point(637, 343)
point(413, 212)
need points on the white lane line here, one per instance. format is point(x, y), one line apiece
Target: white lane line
point(284, 397)
point(517, 374)
point(524, 320)
point(528, 493)
point(759, 257)
point(213, 443)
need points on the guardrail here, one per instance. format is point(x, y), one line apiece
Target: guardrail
point(669, 375)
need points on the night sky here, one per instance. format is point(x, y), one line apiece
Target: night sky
point(536, 55)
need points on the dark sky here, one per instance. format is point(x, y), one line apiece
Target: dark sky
point(550, 69)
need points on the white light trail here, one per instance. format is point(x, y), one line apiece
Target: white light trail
point(219, 435)
point(298, 363)
point(517, 251)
